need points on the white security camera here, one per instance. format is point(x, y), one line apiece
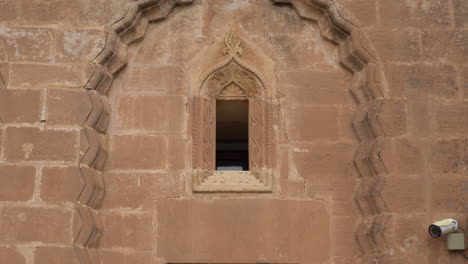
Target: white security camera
point(443, 227)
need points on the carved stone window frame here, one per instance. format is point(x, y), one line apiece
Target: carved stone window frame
point(233, 79)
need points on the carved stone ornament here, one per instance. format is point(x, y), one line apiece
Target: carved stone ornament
point(232, 79)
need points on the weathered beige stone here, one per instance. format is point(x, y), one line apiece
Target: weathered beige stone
point(20, 106)
point(55, 255)
point(447, 45)
point(312, 123)
point(151, 113)
point(67, 107)
point(117, 256)
point(451, 195)
point(410, 157)
point(308, 87)
point(436, 80)
point(127, 231)
point(401, 13)
point(78, 45)
point(19, 224)
point(17, 182)
point(28, 45)
point(137, 190)
point(397, 45)
point(155, 79)
point(37, 75)
point(11, 255)
point(453, 118)
point(34, 144)
point(460, 8)
point(242, 231)
point(449, 155)
point(317, 160)
point(364, 10)
point(61, 184)
point(404, 194)
point(124, 148)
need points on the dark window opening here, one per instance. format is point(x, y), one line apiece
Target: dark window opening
point(232, 135)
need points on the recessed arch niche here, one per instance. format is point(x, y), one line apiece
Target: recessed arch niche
point(355, 53)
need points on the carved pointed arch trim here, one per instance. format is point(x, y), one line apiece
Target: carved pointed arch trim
point(229, 80)
point(233, 70)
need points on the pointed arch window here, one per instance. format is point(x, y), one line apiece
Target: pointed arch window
point(232, 127)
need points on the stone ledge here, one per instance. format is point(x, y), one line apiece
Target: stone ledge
point(242, 231)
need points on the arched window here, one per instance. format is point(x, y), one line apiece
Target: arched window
point(232, 127)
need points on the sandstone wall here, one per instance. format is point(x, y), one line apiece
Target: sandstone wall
point(372, 135)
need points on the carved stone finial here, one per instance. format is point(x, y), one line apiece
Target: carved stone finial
point(232, 45)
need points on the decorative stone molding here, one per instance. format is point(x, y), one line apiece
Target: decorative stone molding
point(128, 25)
point(358, 56)
point(230, 79)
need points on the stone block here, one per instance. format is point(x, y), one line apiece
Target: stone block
point(420, 110)
point(11, 255)
point(282, 20)
point(405, 194)
point(294, 189)
point(449, 156)
point(316, 160)
point(452, 118)
point(346, 116)
point(410, 157)
point(97, 12)
point(26, 224)
point(310, 87)
point(221, 14)
point(67, 107)
point(20, 106)
point(242, 231)
point(415, 13)
point(406, 233)
point(291, 52)
point(445, 45)
point(61, 184)
point(28, 44)
point(463, 79)
point(344, 236)
point(129, 230)
point(74, 46)
point(401, 45)
point(164, 114)
point(17, 182)
point(164, 78)
point(4, 74)
point(450, 195)
point(137, 190)
point(34, 144)
point(55, 255)
point(364, 10)
point(23, 12)
point(417, 80)
point(163, 50)
point(342, 189)
point(460, 8)
point(116, 256)
point(392, 117)
point(58, 13)
point(176, 156)
point(312, 123)
point(40, 75)
point(137, 152)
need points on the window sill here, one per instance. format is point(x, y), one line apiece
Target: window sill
point(231, 181)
